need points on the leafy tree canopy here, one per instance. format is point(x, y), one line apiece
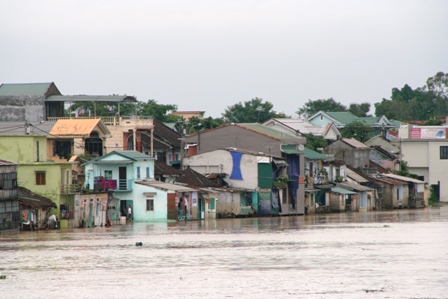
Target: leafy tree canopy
point(314, 142)
point(358, 130)
point(251, 111)
point(328, 105)
point(360, 110)
point(422, 103)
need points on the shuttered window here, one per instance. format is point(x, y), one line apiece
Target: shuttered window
point(40, 178)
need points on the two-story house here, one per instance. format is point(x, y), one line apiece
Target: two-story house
point(128, 177)
point(53, 180)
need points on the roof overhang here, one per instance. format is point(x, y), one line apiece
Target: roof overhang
point(166, 186)
point(85, 98)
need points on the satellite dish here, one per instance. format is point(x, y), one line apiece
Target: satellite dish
point(300, 147)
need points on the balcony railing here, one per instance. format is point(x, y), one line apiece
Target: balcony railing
point(107, 120)
point(124, 185)
point(70, 189)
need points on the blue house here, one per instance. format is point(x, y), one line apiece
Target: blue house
point(128, 177)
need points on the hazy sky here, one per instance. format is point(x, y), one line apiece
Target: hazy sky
point(208, 55)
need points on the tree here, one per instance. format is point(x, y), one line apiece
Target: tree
point(251, 111)
point(315, 142)
point(195, 124)
point(359, 110)
point(421, 103)
point(328, 105)
point(358, 130)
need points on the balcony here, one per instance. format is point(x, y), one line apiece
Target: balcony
point(70, 189)
point(107, 120)
point(121, 185)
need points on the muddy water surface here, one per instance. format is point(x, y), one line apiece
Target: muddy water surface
point(396, 254)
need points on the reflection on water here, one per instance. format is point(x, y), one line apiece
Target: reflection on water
point(396, 254)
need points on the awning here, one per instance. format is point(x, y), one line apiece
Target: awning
point(342, 191)
point(279, 162)
point(166, 186)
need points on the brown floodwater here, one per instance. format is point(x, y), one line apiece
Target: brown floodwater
point(393, 254)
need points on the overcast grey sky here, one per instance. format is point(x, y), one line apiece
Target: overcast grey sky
point(207, 55)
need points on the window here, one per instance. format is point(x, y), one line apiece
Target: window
point(97, 206)
point(108, 174)
point(444, 152)
point(147, 173)
point(37, 151)
point(149, 204)
point(170, 157)
point(138, 172)
point(40, 178)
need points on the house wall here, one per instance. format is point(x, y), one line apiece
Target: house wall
point(26, 176)
point(23, 149)
point(220, 161)
point(337, 202)
point(423, 158)
point(90, 210)
point(119, 132)
point(320, 120)
point(139, 197)
point(353, 157)
point(229, 204)
point(21, 108)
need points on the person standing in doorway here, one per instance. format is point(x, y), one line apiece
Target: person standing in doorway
point(130, 213)
point(185, 200)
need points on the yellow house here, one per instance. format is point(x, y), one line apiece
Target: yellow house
point(53, 180)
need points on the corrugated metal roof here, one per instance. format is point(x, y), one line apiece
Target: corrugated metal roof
point(356, 177)
point(136, 155)
point(403, 178)
point(354, 143)
point(313, 155)
point(343, 117)
point(353, 186)
point(78, 127)
point(166, 186)
point(18, 89)
point(269, 131)
point(341, 191)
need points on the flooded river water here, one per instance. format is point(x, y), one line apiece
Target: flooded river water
point(394, 254)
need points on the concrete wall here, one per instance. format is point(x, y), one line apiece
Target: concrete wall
point(21, 108)
point(353, 157)
point(23, 149)
point(220, 161)
point(423, 158)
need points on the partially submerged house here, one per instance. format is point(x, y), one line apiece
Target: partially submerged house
point(128, 177)
point(9, 198)
point(35, 210)
point(262, 141)
point(263, 181)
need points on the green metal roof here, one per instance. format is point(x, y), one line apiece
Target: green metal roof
point(268, 131)
point(24, 89)
point(132, 154)
point(342, 191)
point(308, 153)
point(343, 117)
point(313, 155)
